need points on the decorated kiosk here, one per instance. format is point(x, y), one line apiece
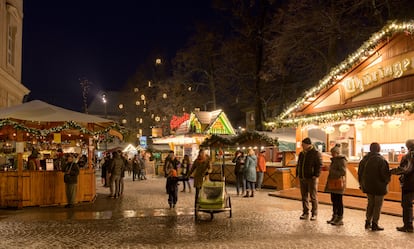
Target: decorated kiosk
point(49, 128)
point(369, 97)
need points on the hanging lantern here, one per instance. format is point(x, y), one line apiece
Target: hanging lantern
point(329, 129)
point(360, 125)
point(395, 123)
point(344, 128)
point(377, 124)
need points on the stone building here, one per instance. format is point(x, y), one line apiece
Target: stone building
point(12, 91)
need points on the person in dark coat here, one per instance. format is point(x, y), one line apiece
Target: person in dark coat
point(374, 176)
point(308, 170)
point(337, 170)
point(71, 168)
point(406, 172)
point(238, 171)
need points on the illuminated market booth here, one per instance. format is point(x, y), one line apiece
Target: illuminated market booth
point(369, 97)
point(40, 130)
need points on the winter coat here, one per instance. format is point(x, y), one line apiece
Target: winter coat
point(200, 169)
point(250, 168)
point(117, 166)
point(239, 161)
point(406, 172)
point(337, 170)
point(374, 174)
point(261, 164)
point(73, 171)
point(309, 164)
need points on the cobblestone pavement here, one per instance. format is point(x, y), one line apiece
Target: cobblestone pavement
point(142, 219)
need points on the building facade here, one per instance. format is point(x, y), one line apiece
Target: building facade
point(12, 91)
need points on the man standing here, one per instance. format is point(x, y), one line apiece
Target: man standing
point(116, 168)
point(71, 170)
point(406, 172)
point(374, 176)
point(261, 169)
point(308, 170)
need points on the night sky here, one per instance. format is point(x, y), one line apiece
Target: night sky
point(101, 40)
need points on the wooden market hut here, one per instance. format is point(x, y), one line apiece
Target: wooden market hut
point(369, 97)
point(34, 121)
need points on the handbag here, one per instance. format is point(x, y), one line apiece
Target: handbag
point(336, 184)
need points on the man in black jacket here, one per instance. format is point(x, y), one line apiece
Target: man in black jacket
point(406, 172)
point(308, 170)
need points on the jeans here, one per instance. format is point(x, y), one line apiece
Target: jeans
point(71, 192)
point(309, 187)
point(259, 179)
point(407, 206)
point(337, 204)
point(240, 183)
point(374, 208)
point(115, 180)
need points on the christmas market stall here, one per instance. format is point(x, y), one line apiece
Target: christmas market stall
point(369, 97)
point(41, 130)
point(278, 172)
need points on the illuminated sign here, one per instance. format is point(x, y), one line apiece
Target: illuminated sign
point(379, 74)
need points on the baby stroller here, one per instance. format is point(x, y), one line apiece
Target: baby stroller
point(213, 197)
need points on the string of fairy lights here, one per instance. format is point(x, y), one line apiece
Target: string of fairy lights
point(45, 132)
point(334, 76)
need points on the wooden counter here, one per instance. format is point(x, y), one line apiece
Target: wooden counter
point(43, 188)
point(352, 184)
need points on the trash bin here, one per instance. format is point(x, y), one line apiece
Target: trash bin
point(283, 178)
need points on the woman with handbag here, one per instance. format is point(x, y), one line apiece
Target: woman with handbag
point(336, 185)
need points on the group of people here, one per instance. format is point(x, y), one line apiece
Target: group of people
point(249, 171)
point(114, 167)
point(374, 175)
point(198, 170)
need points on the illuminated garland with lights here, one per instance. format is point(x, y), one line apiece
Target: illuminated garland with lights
point(369, 112)
point(329, 80)
point(242, 138)
point(57, 129)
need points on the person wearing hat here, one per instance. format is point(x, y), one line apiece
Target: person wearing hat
point(260, 169)
point(308, 170)
point(374, 176)
point(337, 174)
point(406, 172)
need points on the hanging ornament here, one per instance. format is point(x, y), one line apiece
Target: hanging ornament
point(344, 128)
point(360, 125)
point(377, 124)
point(329, 129)
point(395, 123)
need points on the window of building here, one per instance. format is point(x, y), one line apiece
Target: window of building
point(11, 45)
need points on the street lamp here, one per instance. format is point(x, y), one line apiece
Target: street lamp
point(104, 101)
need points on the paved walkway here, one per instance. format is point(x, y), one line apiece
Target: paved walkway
point(142, 219)
point(353, 202)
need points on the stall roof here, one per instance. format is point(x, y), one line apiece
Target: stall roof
point(39, 111)
point(337, 74)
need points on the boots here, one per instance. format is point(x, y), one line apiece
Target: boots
point(375, 227)
point(367, 224)
point(337, 221)
point(332, 219)
point(406, 228)
point(252, 195)
point(247, 194)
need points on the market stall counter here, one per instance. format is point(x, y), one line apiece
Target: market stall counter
point(43, 188)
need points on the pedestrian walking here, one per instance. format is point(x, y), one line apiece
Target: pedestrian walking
point(200, 168)
point(71, 170)
point(406, 172)
point(374, 176)
point(249, 172)
point(172, 187)
point(185, 167)
point(336, 184)
point(308, 170)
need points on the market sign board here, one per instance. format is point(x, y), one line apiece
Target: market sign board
point(378, 74)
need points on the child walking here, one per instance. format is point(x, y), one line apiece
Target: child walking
point(172, 187)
